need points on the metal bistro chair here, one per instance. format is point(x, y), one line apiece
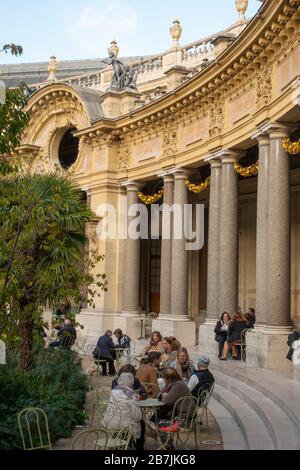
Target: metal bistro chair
point(81, 341)
point(184, 415)
point(34, 429)
point(204, 396)
point(102, 439)
point(244, 344)
point(94, 364)
point(100, 394)
point(98, 414)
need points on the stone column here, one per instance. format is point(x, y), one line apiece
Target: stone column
point(179, 287)
point(130, 319)
point(262, 227)
point(279, 230)
point(266, 346)
point(207, 343)
point(177, 323)
point(229, 234)
point(213, 310)
point(131, 273)
point(166, 246)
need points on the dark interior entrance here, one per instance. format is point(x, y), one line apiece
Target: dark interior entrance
point(155, 270)
point(68, 149)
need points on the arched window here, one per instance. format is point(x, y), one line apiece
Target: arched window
point(68, 149)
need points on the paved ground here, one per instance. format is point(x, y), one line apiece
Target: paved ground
point(210, 437)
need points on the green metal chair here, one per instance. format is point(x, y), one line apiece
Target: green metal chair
point(185, 414)
point(244, 344)
point(34, 429)
point(204, 396)
point(100, 394)
point(93, 364)
point(102, 439)
point(98, 414)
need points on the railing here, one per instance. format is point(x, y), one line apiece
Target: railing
point(191, 55)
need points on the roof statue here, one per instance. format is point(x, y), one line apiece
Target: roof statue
point(123, 77)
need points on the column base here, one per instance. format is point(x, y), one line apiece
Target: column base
point(96, 323)
point(130, 324)
point(179, 326)
point(207, 342)
point(297, 373)
point(267, 348)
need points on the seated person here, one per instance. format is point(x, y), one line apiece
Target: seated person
point(105, 352)
point(165, 353)
point(251, 317)
point(154, 345)
point(183, 364)
point(137, 386)
point(124, 398)
point(236, 327)
point(175, 389)
point(66, 336)
point(170, 347)
point(123, 341)
point(221, 331)
point(249, 321)
point(202, 379)
point(147, 373)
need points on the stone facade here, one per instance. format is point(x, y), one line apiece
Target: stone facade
point(243, 102)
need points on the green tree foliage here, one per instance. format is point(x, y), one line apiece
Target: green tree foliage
point(13, 118)
point(56, 384)
point(42, 244)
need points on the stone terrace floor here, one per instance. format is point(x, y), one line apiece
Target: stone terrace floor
point(210, 437)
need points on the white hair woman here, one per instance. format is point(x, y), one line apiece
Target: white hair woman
point(128, 414)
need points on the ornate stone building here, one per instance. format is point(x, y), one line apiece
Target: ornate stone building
point(197, 111)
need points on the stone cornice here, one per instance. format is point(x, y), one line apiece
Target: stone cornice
point(251, 47)
point(258, 35)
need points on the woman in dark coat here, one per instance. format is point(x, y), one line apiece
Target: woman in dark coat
point(221, 331)
point(236, 327)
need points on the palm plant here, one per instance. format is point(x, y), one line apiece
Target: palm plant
point(42, 246)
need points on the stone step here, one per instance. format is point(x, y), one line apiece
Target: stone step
point(281, 389)
point(281, 428)
point(232, 435)
point(253, 429)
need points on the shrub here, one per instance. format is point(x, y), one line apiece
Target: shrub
point(56, 384)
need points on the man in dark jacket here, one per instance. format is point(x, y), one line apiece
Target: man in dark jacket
point(67, 336)
point(104, 352)
point(202, 379)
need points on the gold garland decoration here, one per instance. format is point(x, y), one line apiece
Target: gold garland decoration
point(198, 188)
point(293, 148)
point(151, 199)
point(248, 171)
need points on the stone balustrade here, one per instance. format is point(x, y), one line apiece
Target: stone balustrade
point(193, 55)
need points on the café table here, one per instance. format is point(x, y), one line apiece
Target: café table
point(149, 406)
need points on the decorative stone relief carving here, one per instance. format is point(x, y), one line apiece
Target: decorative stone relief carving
point(216, 117)
point(170, 140)
point(264, 86)
point(92, 235)
point(123, 155)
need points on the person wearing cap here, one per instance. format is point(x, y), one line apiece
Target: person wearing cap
point(201, 378)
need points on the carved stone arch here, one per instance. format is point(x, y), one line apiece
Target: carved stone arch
point(54, 110)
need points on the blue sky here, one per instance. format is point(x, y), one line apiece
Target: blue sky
point(83, 29)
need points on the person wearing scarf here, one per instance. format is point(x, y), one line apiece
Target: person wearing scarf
point(122, 411)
